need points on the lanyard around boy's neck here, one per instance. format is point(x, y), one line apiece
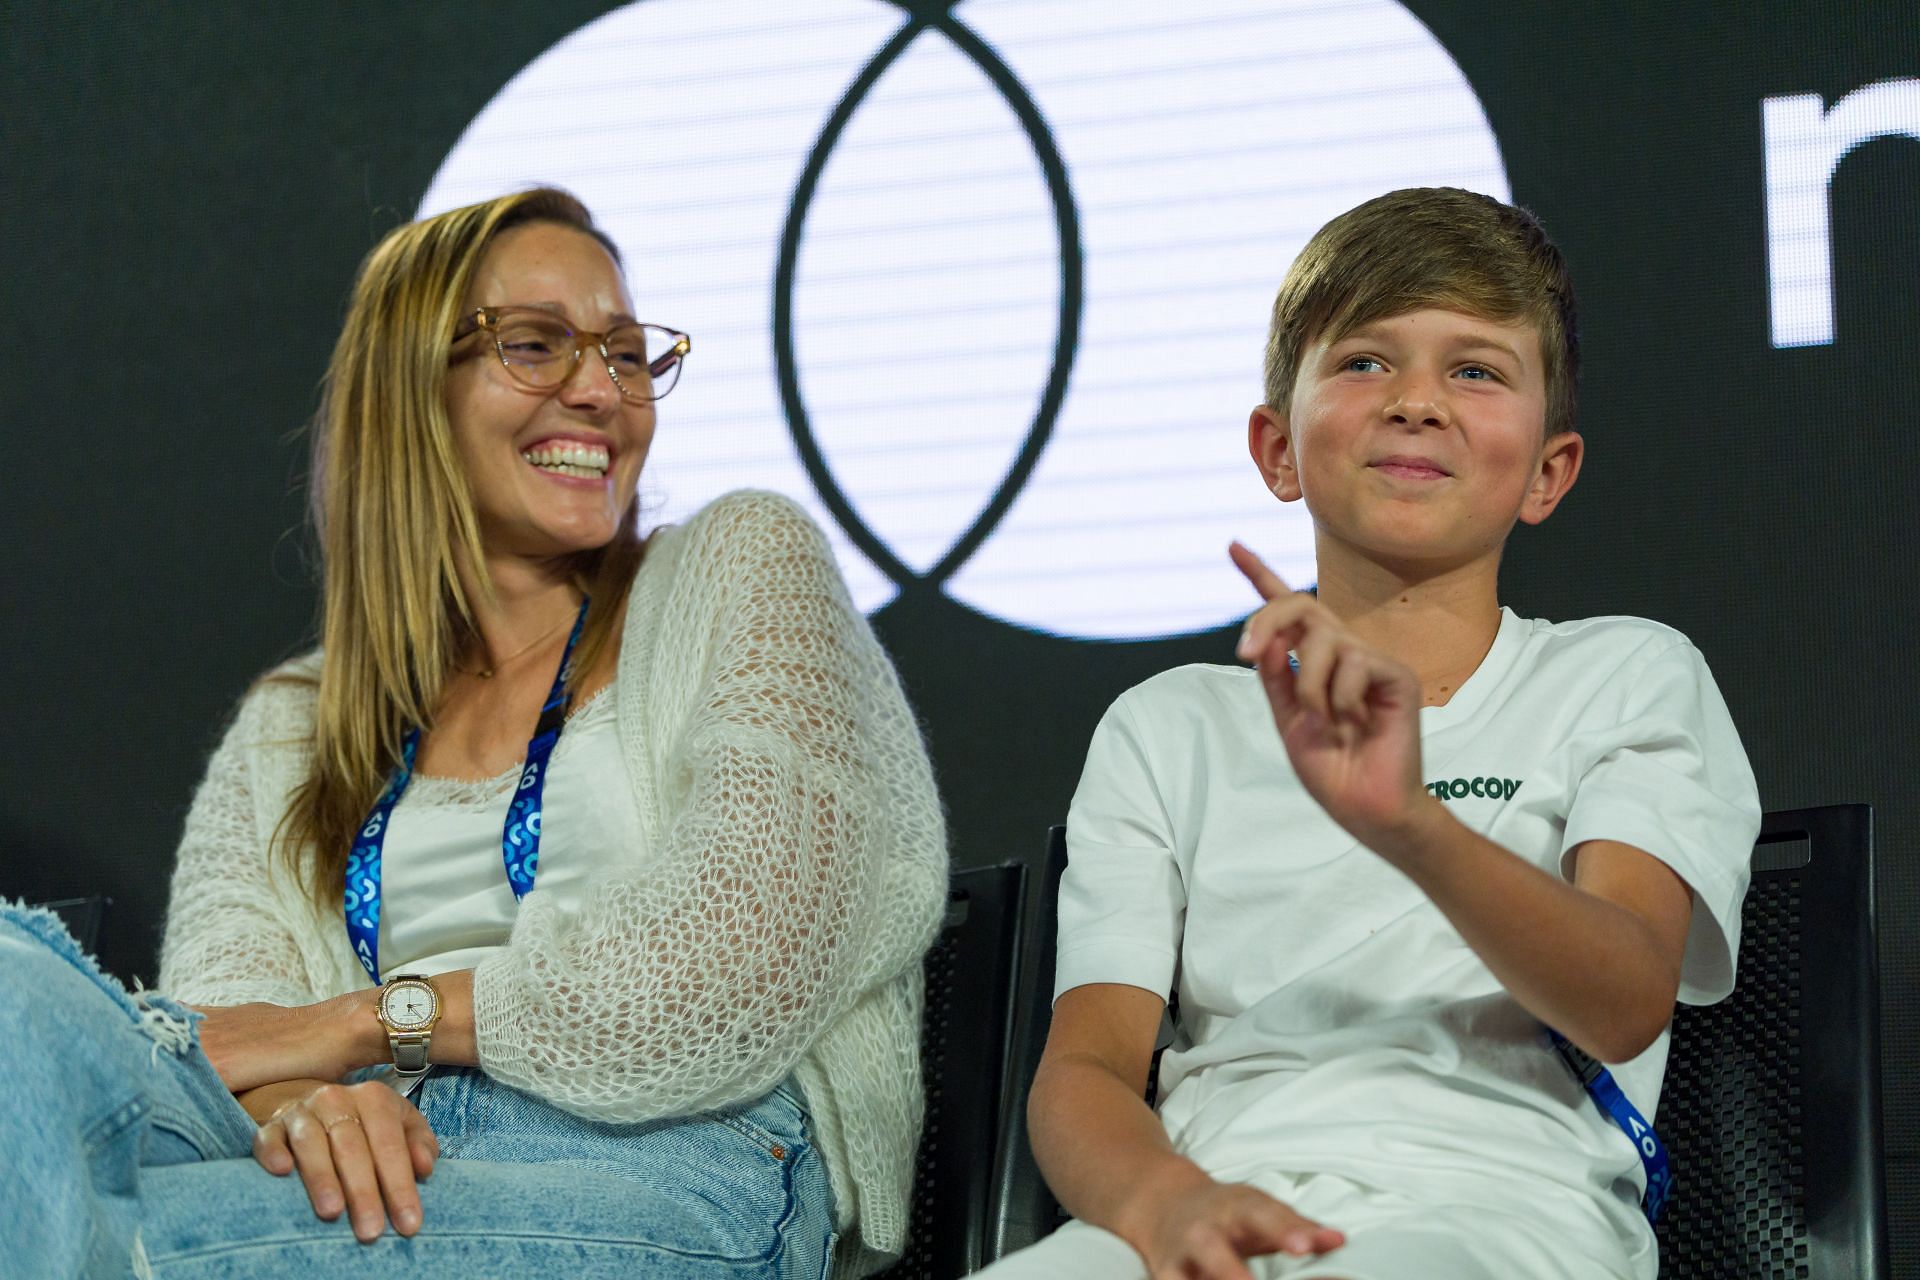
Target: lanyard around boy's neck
point(519, 839)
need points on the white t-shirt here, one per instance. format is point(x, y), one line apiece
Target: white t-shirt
point(1331, 1019)
point(445, 901)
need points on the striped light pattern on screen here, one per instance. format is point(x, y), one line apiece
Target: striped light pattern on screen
point(1199, 153)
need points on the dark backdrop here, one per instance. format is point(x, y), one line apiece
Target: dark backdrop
point(187, 192)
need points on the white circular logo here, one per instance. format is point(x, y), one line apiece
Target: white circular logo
point(985, 287)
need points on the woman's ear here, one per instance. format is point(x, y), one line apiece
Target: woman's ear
point(1270, 441)
point(1560, 459)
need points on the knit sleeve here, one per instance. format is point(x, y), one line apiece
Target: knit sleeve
point(803, 859)
point(227, 940)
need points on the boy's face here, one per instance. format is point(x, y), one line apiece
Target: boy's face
point(1419, 439)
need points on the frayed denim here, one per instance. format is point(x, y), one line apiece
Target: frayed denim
point(126, 1156)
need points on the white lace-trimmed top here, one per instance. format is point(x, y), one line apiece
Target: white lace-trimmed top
point(445, 902)
point(795, 871)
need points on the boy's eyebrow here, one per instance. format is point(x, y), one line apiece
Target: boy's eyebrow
point(1458, 341)
point(1470, 342)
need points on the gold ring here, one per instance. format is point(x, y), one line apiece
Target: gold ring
point(337, 1121)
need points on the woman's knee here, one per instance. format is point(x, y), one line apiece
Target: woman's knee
point(58, 1007)
point(43, 971)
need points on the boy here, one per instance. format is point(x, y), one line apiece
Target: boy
point(1468, 828)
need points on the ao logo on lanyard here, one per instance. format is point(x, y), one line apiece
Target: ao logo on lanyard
point(519, 838)
point(985, 284)
point(1615, 1106)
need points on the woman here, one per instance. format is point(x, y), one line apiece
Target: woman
point(634, 841)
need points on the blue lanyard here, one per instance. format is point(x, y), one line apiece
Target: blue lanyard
point(519, 840)
point(1606, 1094)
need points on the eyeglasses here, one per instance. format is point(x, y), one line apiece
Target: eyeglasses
point(541, 351)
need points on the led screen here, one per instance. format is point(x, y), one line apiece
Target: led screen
point(989, 295)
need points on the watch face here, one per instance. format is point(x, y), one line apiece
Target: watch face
point(407, 1005)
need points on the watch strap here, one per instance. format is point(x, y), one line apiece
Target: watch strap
point(409, 1052)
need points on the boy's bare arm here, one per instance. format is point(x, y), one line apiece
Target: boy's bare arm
point(1598, 959)
point(1103, 1151)
point(1106, 1155)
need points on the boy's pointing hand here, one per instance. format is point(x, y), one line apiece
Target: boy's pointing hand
point(1349, 716)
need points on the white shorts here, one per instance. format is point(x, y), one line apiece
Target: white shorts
point(1387, 1239)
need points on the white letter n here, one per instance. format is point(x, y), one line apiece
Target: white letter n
point(1804, 146)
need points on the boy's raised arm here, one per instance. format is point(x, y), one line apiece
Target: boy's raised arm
point(1599, 960)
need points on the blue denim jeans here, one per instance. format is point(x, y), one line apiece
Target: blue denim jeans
point(124, 1155)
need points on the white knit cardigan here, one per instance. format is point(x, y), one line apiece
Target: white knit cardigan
point(797, 871)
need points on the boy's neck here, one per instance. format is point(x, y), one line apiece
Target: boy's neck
point(1439, 623)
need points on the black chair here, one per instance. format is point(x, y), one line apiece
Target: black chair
point(972, 983)
point(1771, 1105)
point(82, 917)
point(1023, 1208)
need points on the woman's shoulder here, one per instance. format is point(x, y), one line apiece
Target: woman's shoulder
point(279, 704)
point(752, 513)
point(740, 531)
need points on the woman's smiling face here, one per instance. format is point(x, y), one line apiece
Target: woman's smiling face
point(553, 472)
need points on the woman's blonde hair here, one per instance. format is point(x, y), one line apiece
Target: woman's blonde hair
point(394, 516)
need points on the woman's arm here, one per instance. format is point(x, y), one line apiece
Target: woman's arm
point(225, 940)
point(358, 1148)
point(802, 861)
point(257, 1044)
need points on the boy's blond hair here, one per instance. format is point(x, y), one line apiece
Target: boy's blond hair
point(1428, 247)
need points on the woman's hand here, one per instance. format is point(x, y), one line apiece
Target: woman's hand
point(1349, 717)
point(357, 1146)
point(256, 1044)
point(1207, 1233)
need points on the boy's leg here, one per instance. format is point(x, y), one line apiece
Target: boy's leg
point(1391, 1237)
point(1076, 1251)
point(1388, 1238)
point(1397, 1251)
point(1080, 1252)
point(99, 1083)
point(524, 1188)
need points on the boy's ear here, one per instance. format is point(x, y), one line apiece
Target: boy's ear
point(1270, 441)
point(1560, 459)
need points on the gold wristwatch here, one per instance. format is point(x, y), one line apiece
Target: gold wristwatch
point(409, 1007)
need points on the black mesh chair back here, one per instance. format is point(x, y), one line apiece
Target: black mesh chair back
point(971, 981)
point(1771, 1106)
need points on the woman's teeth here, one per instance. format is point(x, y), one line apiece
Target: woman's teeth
point(588, 461)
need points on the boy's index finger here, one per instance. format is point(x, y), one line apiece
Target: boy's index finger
point(1269, 584)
